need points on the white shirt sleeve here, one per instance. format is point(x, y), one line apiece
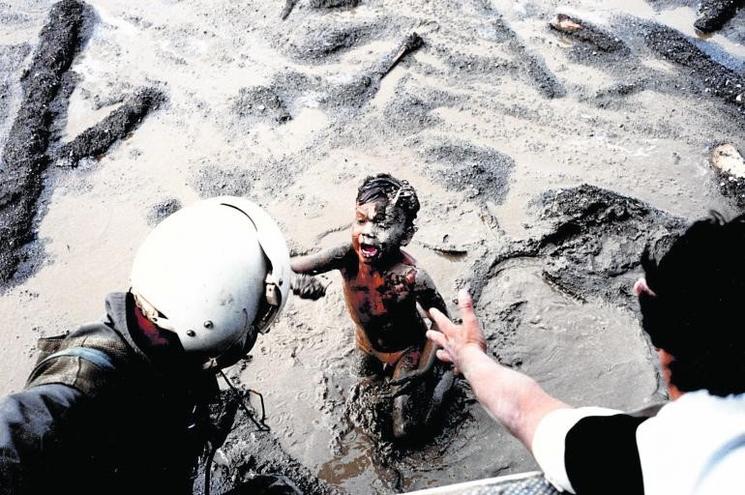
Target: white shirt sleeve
point(549, 441)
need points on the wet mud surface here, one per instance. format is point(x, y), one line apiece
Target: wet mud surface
point(549, 145)
point(25, 154)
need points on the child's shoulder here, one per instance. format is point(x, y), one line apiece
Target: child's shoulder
point(407, 258)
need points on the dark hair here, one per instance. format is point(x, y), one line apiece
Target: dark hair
point(697, 313)
point(389, 189)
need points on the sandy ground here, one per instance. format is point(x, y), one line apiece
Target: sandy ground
point(494, 110)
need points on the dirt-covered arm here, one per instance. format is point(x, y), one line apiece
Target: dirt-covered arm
point(321, 262)
point(427, 297)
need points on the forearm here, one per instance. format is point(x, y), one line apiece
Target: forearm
point(510, 397)
point(322, 262)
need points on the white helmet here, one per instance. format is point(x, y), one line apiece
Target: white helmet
point(215, 273)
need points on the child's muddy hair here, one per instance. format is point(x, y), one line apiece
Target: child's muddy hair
point(696, 314)
point(396, 193)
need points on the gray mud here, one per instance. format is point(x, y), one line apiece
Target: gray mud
point(162, 209)
point(714, 78)
point(97, 140)
point(46, 86)
point(593, 244)
point(495, 119)
point(24, 157)
point(477, 172)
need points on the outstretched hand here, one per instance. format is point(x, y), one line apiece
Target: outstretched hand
point(456, 341)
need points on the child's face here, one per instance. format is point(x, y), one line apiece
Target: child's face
point(377, 231)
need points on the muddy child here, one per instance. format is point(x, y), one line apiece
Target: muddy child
point(385, 291)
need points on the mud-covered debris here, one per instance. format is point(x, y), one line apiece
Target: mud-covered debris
point(729, 166)
point(593, 243)
point(357, 91)
point(713, 14)
point(587, 32)
point(162, 209)
point(287, 9)
point(96, 140)
point(24, 158)
point(530, 64)
point(411, 43)
point(333, 4)
point(261, 104)
point(478, 172)
point(317, 41)
point(715, 79)
point(597, 240)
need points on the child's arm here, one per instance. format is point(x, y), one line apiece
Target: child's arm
point(427, 297)
point(304, 284)
point(322, 262)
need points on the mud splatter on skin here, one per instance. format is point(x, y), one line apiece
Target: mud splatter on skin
point(713, 14)
point(26, 153)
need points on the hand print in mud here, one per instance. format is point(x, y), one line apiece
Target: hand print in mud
point(386, 294)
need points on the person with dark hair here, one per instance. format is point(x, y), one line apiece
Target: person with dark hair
point(384, 290)
point(691, 304)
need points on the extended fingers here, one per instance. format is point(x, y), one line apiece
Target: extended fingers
point(444, 356)
point(437, 337)
point(465, 304)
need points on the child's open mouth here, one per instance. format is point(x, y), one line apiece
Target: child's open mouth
point(368, 250)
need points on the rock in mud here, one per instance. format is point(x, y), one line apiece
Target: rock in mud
point(261, 104)
point(729, 165)
point(24, 158)
point(97, 140)
point(715, 79)
point(713, 14)
point(593, 245)
point(478, 172)
point(587, 32)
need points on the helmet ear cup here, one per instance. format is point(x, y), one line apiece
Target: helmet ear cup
point(204, 274)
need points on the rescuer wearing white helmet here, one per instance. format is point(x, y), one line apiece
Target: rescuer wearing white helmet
point(122, 403)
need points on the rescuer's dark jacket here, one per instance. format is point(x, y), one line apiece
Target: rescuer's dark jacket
point(98, 415)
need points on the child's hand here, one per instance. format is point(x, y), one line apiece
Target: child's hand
point(456, 341)
point(307, 287)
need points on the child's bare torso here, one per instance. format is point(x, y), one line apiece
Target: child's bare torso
point(383, 304)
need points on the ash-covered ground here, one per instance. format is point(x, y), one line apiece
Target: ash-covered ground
point(548, 151)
